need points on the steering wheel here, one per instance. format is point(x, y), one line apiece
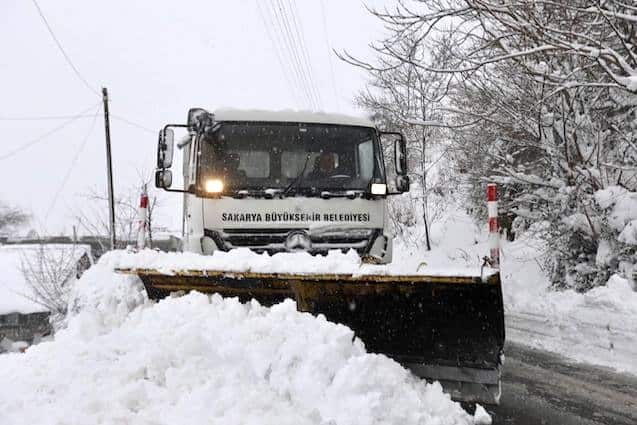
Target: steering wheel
point(340, 176)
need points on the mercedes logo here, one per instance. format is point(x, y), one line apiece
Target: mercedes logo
point(298, 240)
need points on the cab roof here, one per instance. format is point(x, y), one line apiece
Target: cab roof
point(227, 114)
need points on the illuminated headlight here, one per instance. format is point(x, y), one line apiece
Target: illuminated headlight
point(208, 245)
point(379, 189)
point(214, 186)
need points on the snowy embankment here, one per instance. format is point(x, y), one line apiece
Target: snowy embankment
point(597, 327)
point(200, 359)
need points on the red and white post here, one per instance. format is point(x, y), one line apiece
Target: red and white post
point(494, 230)
point(142, 229)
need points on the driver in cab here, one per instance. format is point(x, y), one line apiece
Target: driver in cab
point(325, 166)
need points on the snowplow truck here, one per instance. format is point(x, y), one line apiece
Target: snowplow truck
point(293, 181)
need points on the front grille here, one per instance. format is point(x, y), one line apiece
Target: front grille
point(273, 240)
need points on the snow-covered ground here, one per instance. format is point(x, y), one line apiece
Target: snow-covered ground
point(200, 359)
point(597, 327)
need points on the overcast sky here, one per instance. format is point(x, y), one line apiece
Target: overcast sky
point(157, 58)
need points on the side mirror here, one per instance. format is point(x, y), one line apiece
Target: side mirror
point(165, 148)
point(400, 157)
point(163, 179)
point(402, 183)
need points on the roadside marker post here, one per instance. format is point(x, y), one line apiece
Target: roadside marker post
point(494, 230)
point(142, 229)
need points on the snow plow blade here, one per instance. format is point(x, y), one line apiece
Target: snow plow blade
point(444, 328)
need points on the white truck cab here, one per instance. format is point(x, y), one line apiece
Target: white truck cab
point(284, 181)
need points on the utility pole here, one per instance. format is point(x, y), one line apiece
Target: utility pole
point(109, 168)
point(423, 159)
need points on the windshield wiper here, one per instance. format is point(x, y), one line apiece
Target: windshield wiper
point(297, 181)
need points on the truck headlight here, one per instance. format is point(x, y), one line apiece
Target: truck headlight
point(208, 245)
point(214, 186)
point(379, 189)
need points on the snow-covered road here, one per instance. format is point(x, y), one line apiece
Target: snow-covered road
point(543, 388)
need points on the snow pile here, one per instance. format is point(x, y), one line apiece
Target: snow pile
point(200, 359)
point(245, 260)
point(622, 205)
point(590, 327)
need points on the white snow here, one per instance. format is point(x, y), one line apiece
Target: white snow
point(335, 262)
point(201, 359)
point(16, 296)
point(289, 115)
point(630, 82)
point(7, 345)
point(623, 205)
point(629, 234)
point(578, 221)
point(590, 327)
point(481, 417)
point(604, 252)
point(593, 327)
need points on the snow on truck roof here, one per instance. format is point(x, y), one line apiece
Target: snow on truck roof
point(230, 114)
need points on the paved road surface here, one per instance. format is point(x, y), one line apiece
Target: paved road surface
point(539, 388)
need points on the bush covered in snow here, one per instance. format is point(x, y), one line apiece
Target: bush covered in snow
point(617, 247)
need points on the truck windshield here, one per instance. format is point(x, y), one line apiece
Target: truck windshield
point(299, 156)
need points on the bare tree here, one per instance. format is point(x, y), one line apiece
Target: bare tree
point(539, 97)
point(49, 269)
point(400, 96)
point(93, 218)
point(479, 33)
point(11, 217)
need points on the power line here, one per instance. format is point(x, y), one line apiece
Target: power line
point(298, 53)
point(133, 123)
point(45, 135)
point(73, 162)
point(287, 36)
point(290, 54)
point(65, 117)
point(273, 41)
point(78, 74)
point(281, 47)
point(329, 55)
point(66, 56)
point(300, 34)
point(44, 118)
